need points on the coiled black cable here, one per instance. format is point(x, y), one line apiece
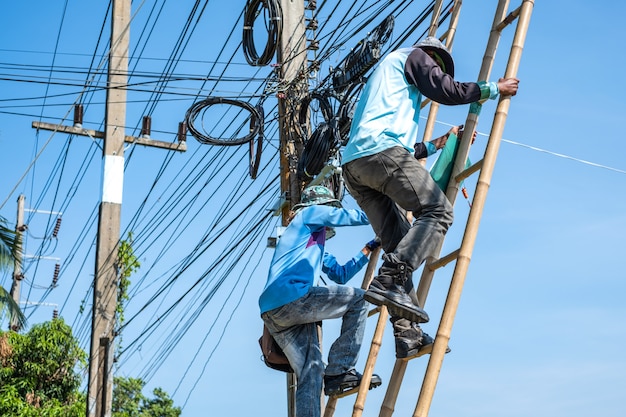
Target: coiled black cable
point(193, 111)
point(255, 156)
point(303, 115)
point(315, 153)
point(274, 27)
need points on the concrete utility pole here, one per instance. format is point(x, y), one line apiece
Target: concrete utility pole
point(292, 58)
point(100, 383)
point(17, 263)
point(100, 386)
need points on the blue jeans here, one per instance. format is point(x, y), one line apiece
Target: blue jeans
point(386, 185)
point(294, 329)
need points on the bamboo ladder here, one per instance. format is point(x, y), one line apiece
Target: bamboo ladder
point(463, 254)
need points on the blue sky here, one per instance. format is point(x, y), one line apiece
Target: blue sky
point(540, 326)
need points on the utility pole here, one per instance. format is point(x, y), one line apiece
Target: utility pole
point(292, 58)
point(100, 385)
point(17, 263)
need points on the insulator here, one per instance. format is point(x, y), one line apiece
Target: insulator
point(312, 5)
point(55, 277)
point(146, 126)
point(314, 45)
point(182, 132)
point(57, 226)
point(78, 115)
point(55, 314)
point(464, 191)
point(312, 25)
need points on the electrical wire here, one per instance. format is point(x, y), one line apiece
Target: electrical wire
point(274, 26)
point(196, 108)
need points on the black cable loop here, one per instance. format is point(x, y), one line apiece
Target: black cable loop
point(190, 117)
point(316, 152)
point(274, 26)
point(325, 107)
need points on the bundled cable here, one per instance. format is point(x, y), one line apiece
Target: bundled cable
point(256, 120)
point(316, 152)
point(324, 105)
point(255, 156)
point(364, 56)
point(274, 26)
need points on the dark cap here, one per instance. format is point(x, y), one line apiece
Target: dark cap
point(431, 43)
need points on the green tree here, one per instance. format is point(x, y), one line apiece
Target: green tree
point(126, 264)
point(40, 372)
point(129, 401)
point(10, 246)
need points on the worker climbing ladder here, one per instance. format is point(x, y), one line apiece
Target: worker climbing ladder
point(462, 255)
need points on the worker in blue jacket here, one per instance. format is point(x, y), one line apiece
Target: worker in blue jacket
point(291, 304)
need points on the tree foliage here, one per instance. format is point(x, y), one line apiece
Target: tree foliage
point(40, 372)
point(129, 401)
point(127, 263)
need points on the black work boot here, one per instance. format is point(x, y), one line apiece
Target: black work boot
point(337, 384)
point(388, 289)
point(413, 343)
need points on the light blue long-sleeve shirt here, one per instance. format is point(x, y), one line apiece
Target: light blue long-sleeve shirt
point(343, 273)
point(297, 260)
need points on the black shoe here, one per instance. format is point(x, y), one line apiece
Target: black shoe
point(412, 345)
point(396, 299)
point(337, 384)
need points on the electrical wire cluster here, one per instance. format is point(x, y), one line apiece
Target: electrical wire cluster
point(363, 57)
point(202, 204)
point(332, 133)
point(255, 151)
point(256, 120)
point(274, 25)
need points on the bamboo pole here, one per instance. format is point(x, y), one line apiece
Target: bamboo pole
point(391, 395)
point(359, 404)
point(331, 404)
point(469, 237)
point(470, 126)
point(449, 40)
point(397, 375)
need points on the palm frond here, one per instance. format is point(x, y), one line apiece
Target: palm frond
point(10, 245)
point(11, 308)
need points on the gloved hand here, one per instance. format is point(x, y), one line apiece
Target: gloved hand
point(373, 244)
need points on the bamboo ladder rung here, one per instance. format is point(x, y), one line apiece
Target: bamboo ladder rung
point(443, 261)
point(373, 311)
point(509, 19)
point(469, 171)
